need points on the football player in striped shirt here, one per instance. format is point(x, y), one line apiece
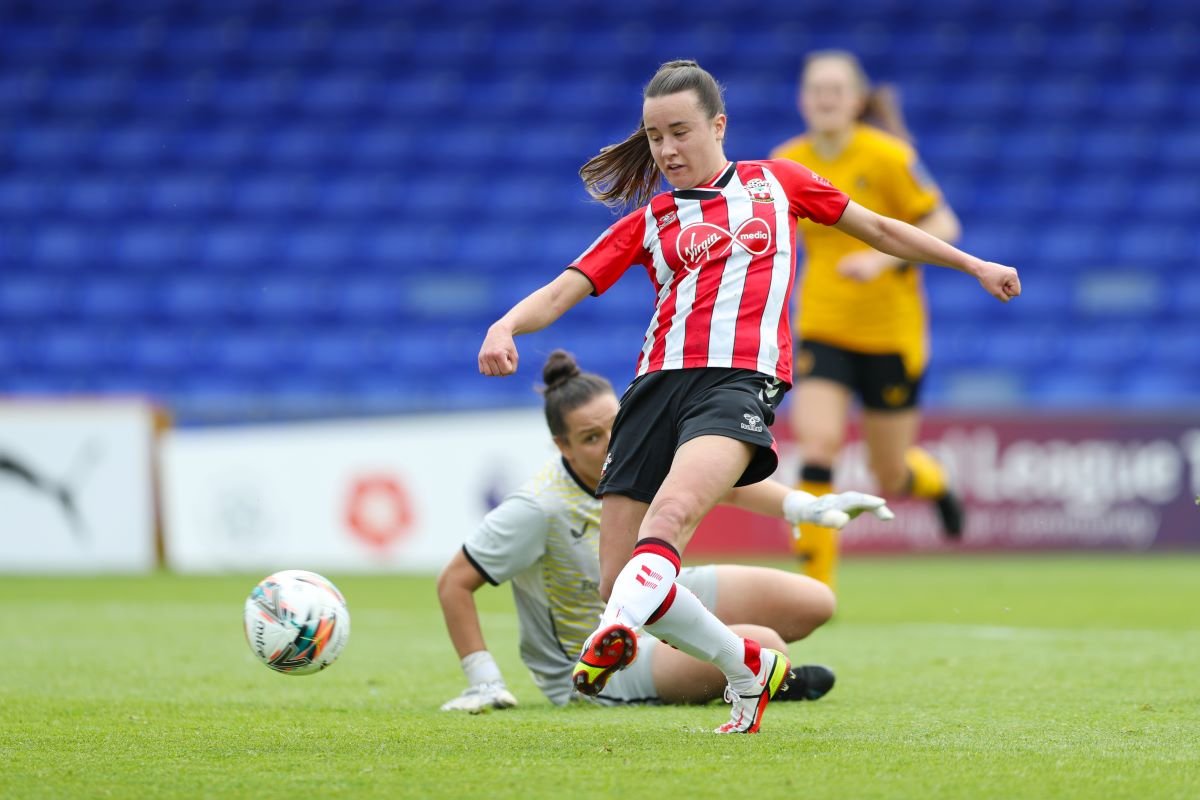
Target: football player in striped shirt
point(716, 359)
point(862, 326)
point(543, 540)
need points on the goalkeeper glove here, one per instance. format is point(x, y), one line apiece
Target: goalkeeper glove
point(481, 697)
point(486, 689)
point(832, 510)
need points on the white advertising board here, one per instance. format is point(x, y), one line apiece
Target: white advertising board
point(76, 486)
point(396, 494)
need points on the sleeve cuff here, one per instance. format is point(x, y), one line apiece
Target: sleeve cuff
point(482, 572)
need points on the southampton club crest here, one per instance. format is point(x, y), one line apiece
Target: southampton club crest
point(759, 190)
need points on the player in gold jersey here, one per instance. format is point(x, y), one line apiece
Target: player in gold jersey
point(862, 318)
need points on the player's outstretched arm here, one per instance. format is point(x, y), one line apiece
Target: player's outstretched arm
point(498, 355)
point(910, 243)
point(833, 510)
point(772, 499)
point(866, 265)
point(485, 690)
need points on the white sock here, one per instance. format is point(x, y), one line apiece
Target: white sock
point(686, 624)
point(642, 584)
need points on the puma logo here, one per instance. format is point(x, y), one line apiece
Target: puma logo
point(61, 492)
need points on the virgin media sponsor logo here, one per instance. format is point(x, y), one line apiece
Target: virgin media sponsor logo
point(701, 241)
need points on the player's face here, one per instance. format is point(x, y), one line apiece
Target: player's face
point(686, 144)
point(831, 97)
point(585, 445)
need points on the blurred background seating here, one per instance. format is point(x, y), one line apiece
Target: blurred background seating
point(254, 209)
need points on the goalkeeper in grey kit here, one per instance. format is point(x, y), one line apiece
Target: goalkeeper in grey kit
point(543, 539)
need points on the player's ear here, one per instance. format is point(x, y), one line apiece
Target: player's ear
point(562, 444)
point(718, 125)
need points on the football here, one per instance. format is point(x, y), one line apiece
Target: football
point(296, 622)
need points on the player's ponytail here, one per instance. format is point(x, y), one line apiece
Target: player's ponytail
point(625, 174)
point(567, 388)
point(622, 174)
point(882, 110)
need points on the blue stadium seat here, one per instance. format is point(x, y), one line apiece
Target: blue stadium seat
point(1174, 347)
point(273, 194)
point(253, 353)
point(48, 145)
point(27, 196)
point(130, 147)
point(70, 245)
point(237, 245)
point(956, 344)
point(186, 194)
point(321, 247)
point(278, 299)
point(98, 199)
point(1185, 297)
point(153, 246)
point(198, 300)
point(1073, 390)
point(1161, 390)
point(1174, 200)
point(110, 299)
point(92, 93)
point(34, 298)
point(1125, 294)
point(223, 146)
point(1105, 347)
point(166, 353)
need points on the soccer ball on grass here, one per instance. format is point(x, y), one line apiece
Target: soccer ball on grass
point(296, 622)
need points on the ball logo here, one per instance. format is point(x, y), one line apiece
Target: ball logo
point(702, 241)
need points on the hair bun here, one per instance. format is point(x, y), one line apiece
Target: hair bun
point(560, 367)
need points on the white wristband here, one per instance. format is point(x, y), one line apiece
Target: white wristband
point(794, 504)
point(480, 667)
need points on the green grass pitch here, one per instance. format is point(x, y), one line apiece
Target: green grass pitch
point(958, 677)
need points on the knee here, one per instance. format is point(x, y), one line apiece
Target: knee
point(819, 448)
point(891, 477)
point(817, 605)
point(824, 605)
point(771, 639)
point(668, 519)
point(766, 637)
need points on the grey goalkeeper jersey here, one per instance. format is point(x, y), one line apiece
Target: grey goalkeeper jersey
point(544, 538)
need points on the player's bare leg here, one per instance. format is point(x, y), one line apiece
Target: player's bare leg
point(901, 468)
point(790, 604)
point(613, 646)
point(702, 471)
point(681, 679)
point(820, 413)
point(620, 519)
point(645, 592)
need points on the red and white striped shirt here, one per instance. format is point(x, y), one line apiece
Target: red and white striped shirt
point(722, 259)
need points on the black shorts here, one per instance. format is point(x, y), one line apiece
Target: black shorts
point(879, 379)
point(662, 410)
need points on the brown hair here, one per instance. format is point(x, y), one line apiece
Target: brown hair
point(567, 388)
point(624, 174)
point(882, 107)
